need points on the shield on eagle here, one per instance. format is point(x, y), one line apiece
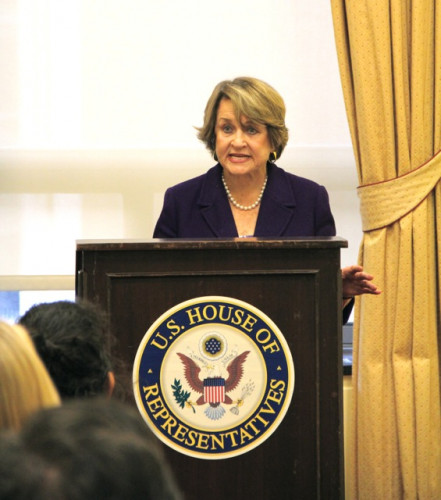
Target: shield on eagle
point(214, 390)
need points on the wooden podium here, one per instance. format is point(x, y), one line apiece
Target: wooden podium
point(297, 283)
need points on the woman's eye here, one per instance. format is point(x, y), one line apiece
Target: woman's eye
point(252, 130)
point(227, 129)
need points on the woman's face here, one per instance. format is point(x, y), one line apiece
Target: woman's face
point(241, 147)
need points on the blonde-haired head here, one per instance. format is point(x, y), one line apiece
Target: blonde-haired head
point(252, 98)
point(25, 384)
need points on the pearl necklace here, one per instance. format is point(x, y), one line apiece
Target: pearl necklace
point(238, 205)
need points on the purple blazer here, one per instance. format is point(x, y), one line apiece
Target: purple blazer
point(290, 206)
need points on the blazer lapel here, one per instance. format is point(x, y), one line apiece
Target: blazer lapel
point(278, 205)
point(214, 205)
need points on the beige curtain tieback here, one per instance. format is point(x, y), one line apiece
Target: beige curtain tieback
point(383, 203)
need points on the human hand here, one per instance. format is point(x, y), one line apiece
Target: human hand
point(357, 282)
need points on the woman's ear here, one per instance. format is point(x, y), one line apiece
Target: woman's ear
point(110, 384)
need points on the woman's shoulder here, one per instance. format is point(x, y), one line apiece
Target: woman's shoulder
point(297, 182)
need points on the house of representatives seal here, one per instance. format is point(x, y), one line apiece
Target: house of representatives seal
point(213, 377)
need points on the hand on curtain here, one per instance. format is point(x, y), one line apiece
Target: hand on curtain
point(357, 282)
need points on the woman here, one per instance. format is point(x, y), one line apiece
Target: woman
point(246, 194)
point(25, 385)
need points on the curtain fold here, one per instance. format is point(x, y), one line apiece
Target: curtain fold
point(389, 54)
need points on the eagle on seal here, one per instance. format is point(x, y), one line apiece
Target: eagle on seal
point(235, 373)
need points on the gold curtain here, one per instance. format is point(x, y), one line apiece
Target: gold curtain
point(389, 54)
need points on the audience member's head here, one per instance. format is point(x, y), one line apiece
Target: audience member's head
point(25, 384)
point(91, 448)
point(74, 341)
point(23, 475)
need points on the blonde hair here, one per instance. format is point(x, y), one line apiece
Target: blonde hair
point(253, 98)
point(25, 384)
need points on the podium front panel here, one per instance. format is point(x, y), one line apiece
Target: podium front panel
point(296, 283)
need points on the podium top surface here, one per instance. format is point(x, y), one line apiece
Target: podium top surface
point(213, 243)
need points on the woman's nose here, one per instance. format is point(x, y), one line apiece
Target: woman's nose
point(238, 138)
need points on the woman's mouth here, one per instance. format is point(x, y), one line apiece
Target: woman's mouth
point(235, 157)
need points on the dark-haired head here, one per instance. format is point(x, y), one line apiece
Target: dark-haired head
point(75, 343)
point(92, 448)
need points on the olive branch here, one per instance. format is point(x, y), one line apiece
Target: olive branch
point(181, 396)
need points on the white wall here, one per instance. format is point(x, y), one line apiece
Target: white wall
point(105, 95)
